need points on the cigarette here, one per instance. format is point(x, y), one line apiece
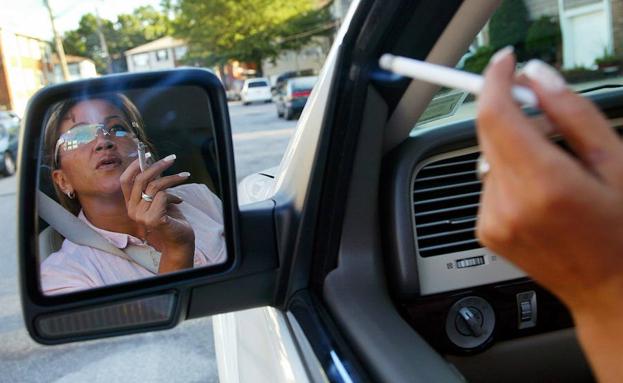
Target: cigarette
point(142, 160)
point(449, 77)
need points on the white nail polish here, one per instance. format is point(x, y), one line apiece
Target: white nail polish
point(499, 55)
point(545, 75)
point(184, 174)
point(170, 158)
point(148, 155)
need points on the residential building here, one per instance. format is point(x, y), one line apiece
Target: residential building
point(590, 28)
point(25, 69)
point(310, 58)
point(164, 53)
point(78, 67)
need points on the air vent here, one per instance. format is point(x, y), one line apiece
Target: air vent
point(446, 194)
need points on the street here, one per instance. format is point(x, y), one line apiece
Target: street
point(260, 138)
point(183, 354)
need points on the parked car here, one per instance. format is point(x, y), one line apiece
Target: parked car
point(9, 129)
point(357, 257)
point(291, 96)
point(255, 90)
point(278, 80)
point(233, 95)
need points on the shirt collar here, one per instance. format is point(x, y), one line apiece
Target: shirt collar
point(119, 240)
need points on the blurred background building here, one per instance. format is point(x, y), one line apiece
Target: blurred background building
point(25, 64)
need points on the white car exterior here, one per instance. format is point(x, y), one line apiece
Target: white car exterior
point(256, 90)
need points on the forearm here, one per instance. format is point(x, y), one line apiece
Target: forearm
point(176, 259)
point(599, 332)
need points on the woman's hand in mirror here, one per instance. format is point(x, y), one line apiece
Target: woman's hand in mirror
point(149, 204)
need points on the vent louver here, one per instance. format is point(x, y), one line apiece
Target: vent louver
point(445, 203)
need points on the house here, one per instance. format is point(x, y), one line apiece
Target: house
point(25, 68)
point(590, 28)
point(78, 67)
point(309, 58)
point(164, 53)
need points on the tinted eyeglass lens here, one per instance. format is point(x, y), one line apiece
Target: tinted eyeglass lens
point(118, 130)
point(82, 135)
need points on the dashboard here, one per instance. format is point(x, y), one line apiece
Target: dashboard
point(457, 294)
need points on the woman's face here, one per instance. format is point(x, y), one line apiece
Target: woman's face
point(93, 169)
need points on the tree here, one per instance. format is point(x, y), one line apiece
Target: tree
point(144, 24)
point(218, 31)
point(509, 26)
point(543, 39)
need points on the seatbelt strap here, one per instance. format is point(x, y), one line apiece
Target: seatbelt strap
point(73, 229)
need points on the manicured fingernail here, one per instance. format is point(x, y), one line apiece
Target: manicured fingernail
point(502, 53)
point(545, 75)
point(169, 158)
point(148, 155)
point(184, 174)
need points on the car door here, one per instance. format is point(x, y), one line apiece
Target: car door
point(319, 250)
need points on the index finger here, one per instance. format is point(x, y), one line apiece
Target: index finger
point(142, 179)
point(579, 121)
point(507, 137)
point(127, 179)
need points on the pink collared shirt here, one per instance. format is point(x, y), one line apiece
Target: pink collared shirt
point(77, 267)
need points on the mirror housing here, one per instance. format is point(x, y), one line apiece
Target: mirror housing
point(154, 303)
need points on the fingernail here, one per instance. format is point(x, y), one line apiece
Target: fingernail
point(169, 158)
point(545, 75)
point(502, 53)
point(184, 174)
point(148, 155)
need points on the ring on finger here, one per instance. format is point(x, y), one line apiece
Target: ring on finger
point(147, 197)
point(482, 167)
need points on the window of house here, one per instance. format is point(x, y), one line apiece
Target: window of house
point(162, 55)
point(140, 59)
point(74, 69)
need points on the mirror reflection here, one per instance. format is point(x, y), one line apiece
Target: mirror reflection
point(128, 188)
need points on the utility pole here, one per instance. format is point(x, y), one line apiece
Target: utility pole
point(103, 43)
point(59, 44)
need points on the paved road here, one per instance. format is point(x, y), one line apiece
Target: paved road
point(183, 354)
point(260, 138)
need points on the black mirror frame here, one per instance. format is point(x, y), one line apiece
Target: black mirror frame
point(35, 303)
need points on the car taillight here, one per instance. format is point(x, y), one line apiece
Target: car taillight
point(301, 93)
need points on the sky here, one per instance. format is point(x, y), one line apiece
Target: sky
point(30, 17)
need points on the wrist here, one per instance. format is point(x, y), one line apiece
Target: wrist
point(599, 333)
point(177, 257)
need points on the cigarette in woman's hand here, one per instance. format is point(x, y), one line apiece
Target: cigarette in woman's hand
point(142, 157)
point(448, 77)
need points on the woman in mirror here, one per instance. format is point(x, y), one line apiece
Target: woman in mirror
point(91, 146)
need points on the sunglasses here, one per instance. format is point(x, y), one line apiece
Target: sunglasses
point(81, 135)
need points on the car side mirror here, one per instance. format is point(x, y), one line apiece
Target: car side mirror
point(127, 208)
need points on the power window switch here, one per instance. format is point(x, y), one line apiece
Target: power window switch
point(526, 310)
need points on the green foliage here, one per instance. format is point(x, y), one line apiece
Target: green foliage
point(581, 74)
point(509, 25)
point(608, 58)
point(543, 39)
point(479, 60)
point(144, 24)
point(218, 31)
